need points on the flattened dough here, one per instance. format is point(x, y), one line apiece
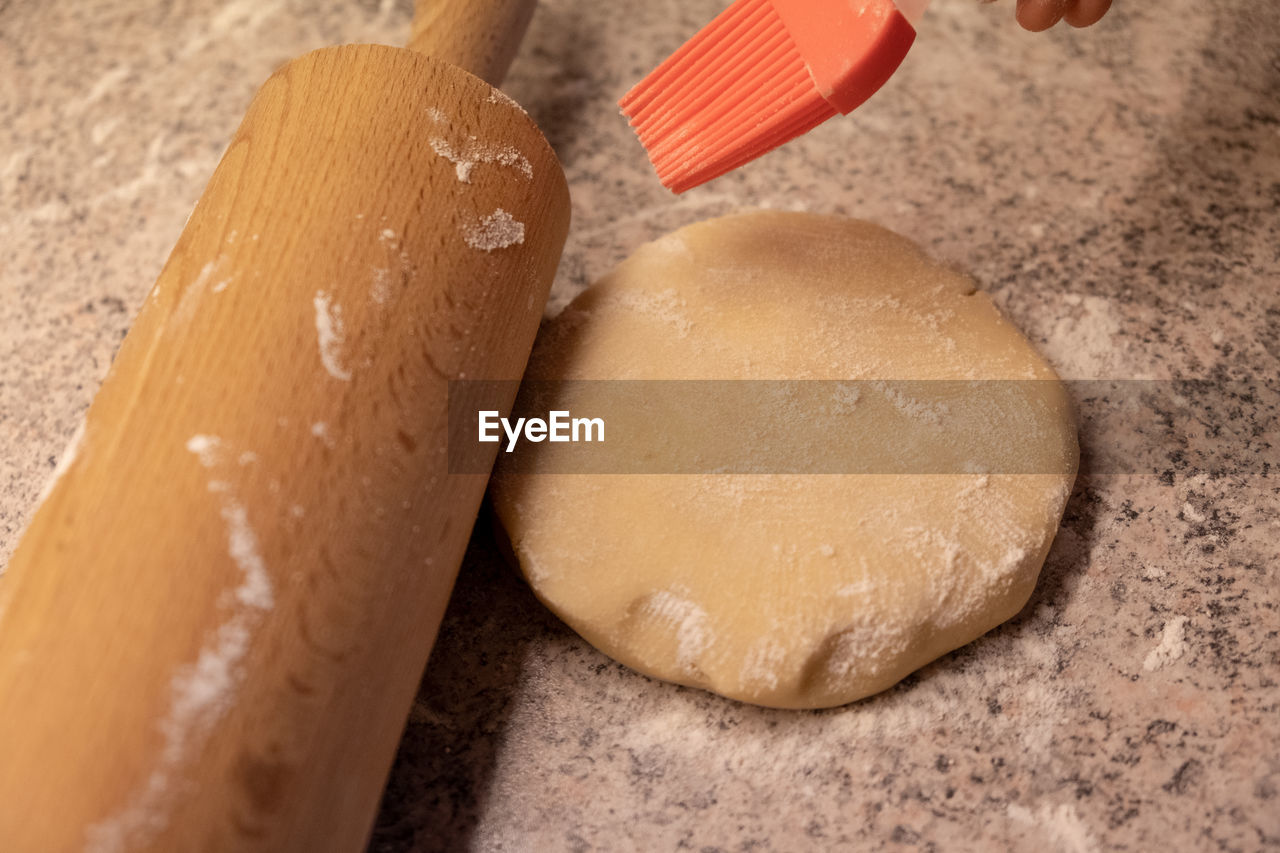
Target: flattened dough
point(795, 591)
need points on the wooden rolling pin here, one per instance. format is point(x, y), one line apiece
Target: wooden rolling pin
point(212, 631)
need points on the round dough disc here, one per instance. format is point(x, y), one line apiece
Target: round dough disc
point(795, 591)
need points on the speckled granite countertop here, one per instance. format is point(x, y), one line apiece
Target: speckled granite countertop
point(1116, 189)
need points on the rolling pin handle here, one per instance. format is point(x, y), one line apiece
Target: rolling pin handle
point(479, 36)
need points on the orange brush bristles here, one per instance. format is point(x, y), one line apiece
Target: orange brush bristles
point(759, 75)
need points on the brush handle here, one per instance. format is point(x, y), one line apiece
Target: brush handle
point(212, 631)
point(912, 10)
point(480, 36)
point(850, 48)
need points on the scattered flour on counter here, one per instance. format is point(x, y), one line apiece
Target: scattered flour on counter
point(1173, 645)
point(1087, 341)
point(201, 691)
point(331, 335)
point(495, 231)
point(1062, 825)
point(1191, 513)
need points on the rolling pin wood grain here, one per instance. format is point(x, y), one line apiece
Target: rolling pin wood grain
point(212, 630)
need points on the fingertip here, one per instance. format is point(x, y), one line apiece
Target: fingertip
point(1040, 15)
point(1086, 13)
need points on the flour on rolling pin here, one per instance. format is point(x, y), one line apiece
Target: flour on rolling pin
point(68, 456)
point(331, 334)
point(497, 96)
point(174, 697)
point(202, 691)
point(380, 291)
point(466, 155)
point(499, 229)
point(190, 295)
point(495, 231)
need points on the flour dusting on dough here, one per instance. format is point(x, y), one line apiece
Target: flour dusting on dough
point(930, 413)
point(693, 633)
point(844, 398)
point(761, 664)
point(665, 306)
point(864, 647)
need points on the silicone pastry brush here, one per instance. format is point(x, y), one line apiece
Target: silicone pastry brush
point(212, 631)
point(761, 74)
